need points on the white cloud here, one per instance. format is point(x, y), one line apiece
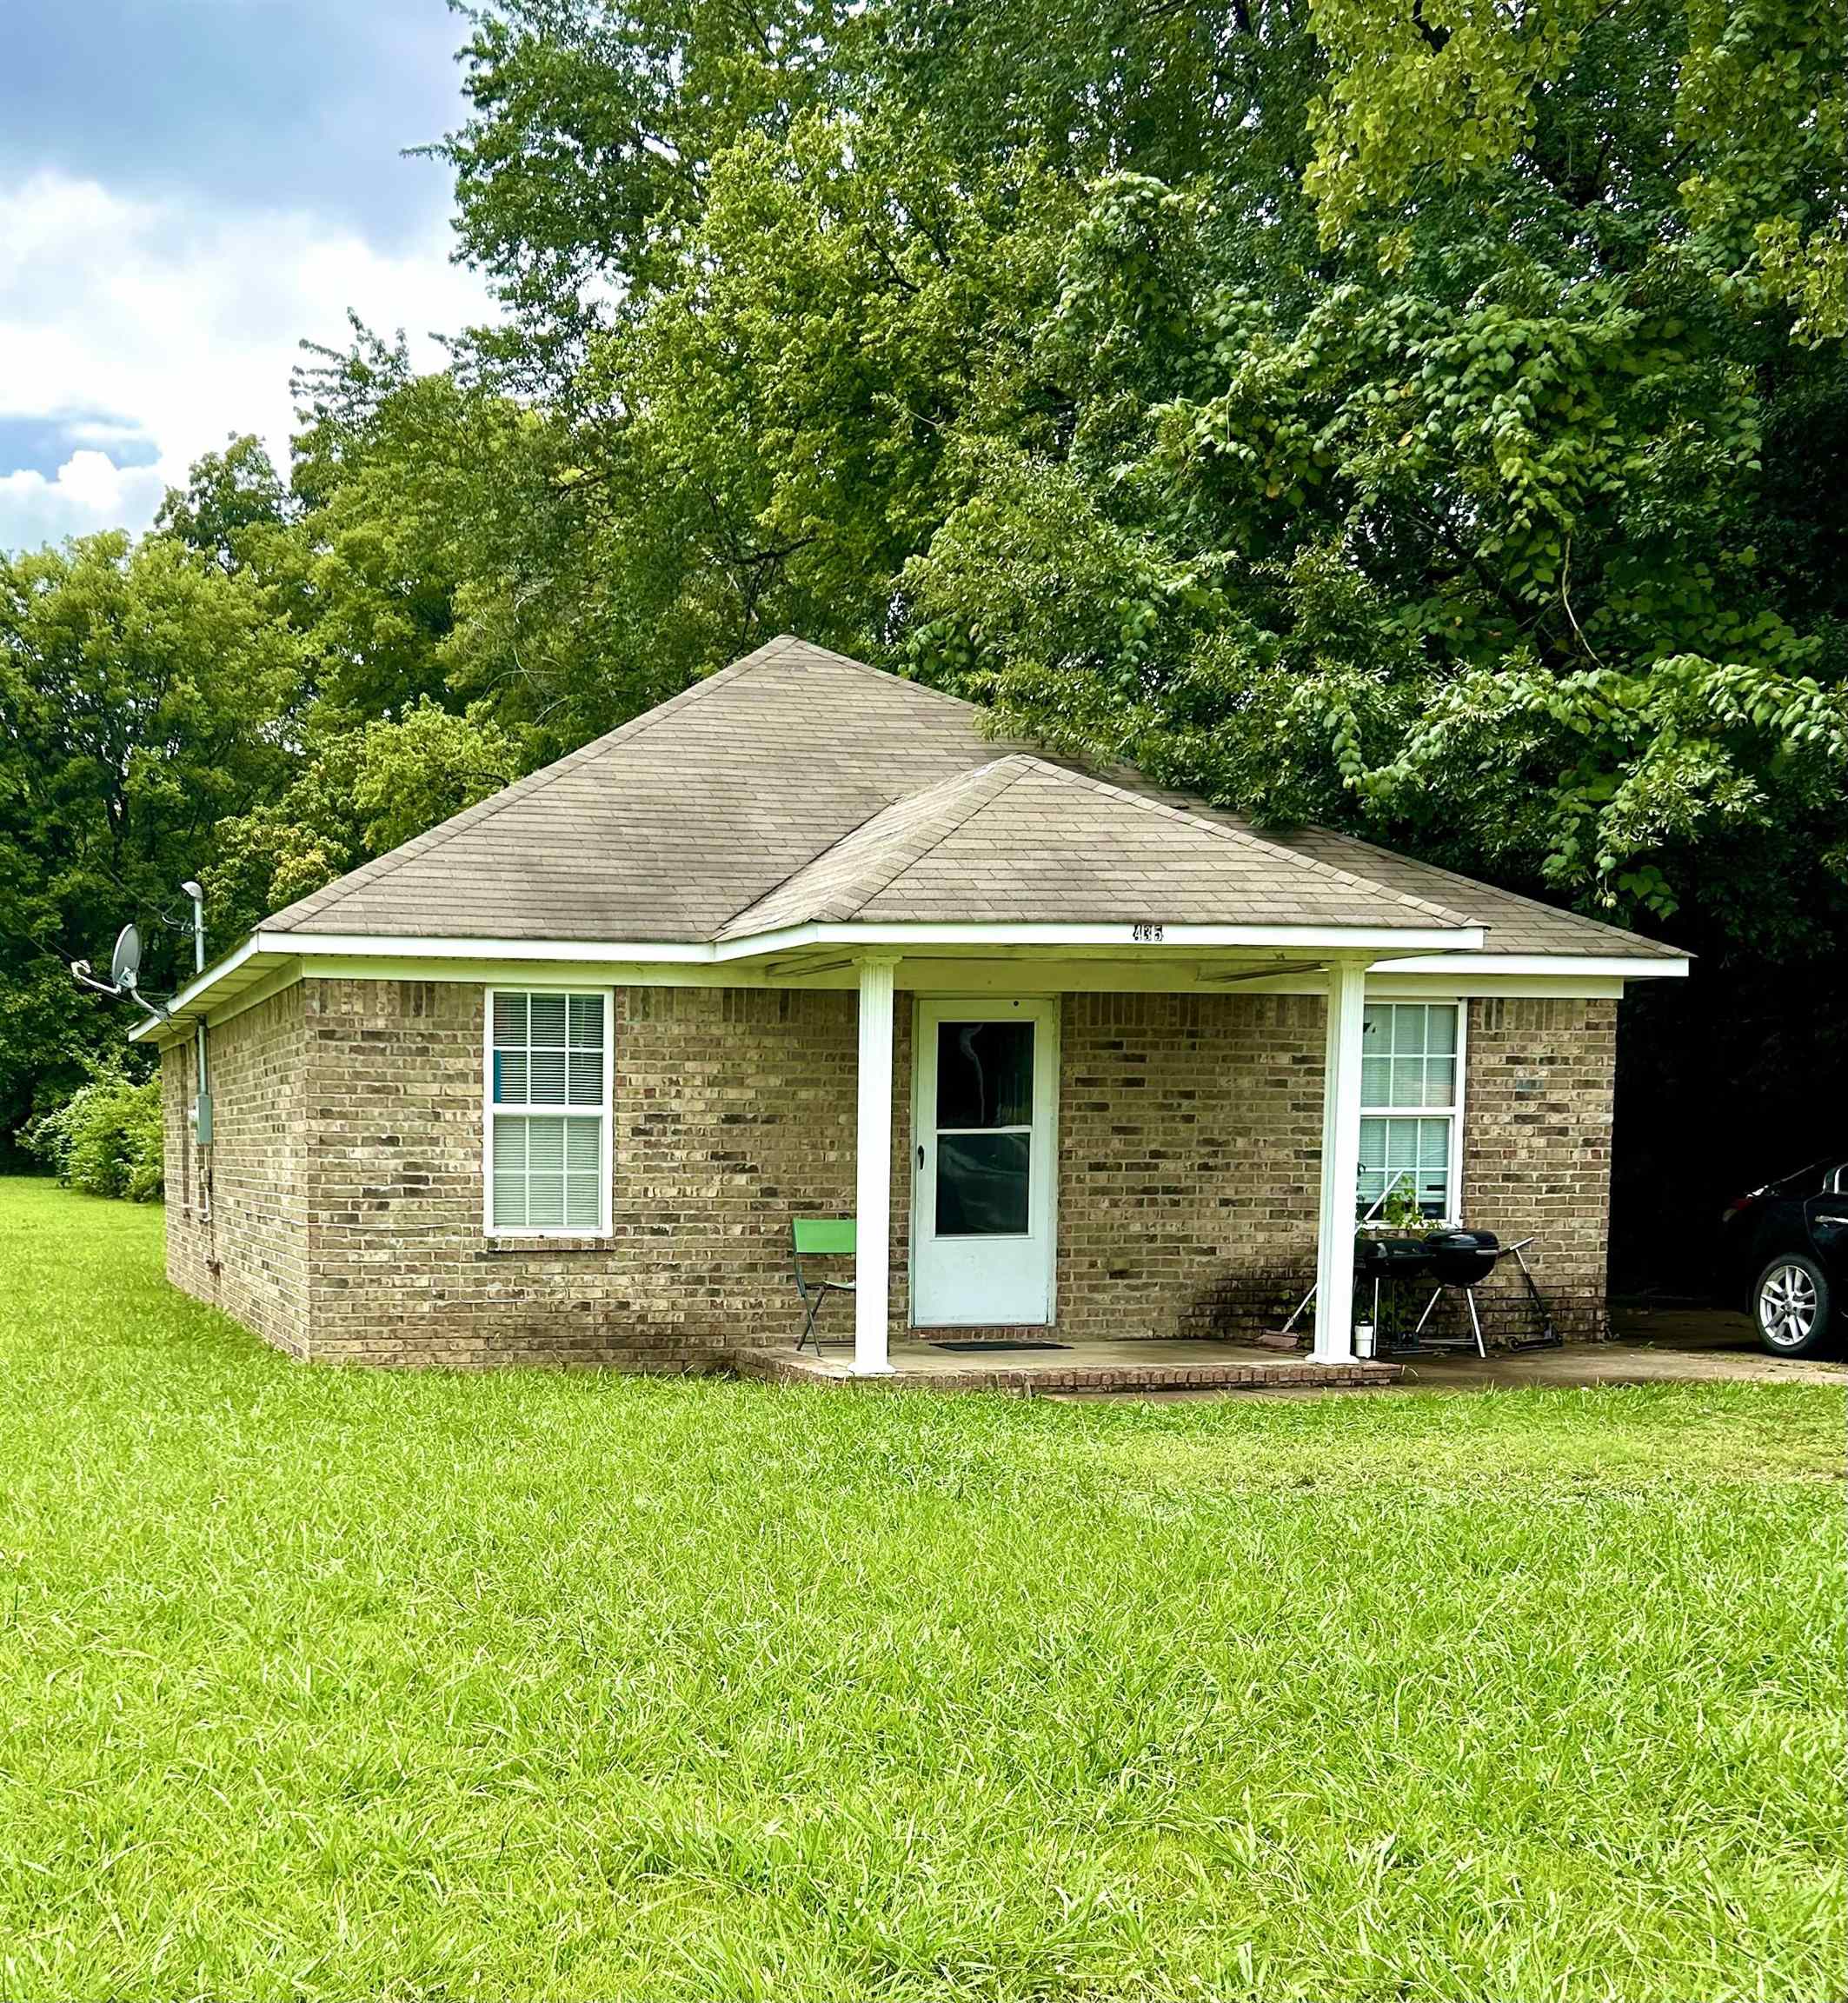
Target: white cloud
point(183, 320)
point(89, 492)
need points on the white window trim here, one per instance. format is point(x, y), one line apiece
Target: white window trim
point(1455, 1113)
point(605, 1113)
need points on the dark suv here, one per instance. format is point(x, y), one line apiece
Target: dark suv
point(1784, 1250)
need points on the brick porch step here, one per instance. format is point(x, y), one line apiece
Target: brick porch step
point(1049, 1372)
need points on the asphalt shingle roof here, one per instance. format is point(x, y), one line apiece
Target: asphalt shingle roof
point(1023, 840)
point(798, 786)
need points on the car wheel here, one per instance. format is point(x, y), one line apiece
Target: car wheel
point(1791, 1305)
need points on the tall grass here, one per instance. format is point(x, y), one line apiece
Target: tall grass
point(329, 1684)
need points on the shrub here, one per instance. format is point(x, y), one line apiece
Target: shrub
point(105, 1139)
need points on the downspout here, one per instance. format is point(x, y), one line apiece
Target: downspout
point(202, 1097)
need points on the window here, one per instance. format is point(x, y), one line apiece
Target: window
point(547, 1154)
point(1410, 1104)
point(984, 1129)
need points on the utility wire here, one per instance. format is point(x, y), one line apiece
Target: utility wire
point(65, 960)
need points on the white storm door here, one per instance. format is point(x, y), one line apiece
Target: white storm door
point(986, 1162)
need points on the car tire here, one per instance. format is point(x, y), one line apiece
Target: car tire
point(1791, 1306)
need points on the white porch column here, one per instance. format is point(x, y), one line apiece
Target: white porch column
point(1334, 1253)
point(872, 1200)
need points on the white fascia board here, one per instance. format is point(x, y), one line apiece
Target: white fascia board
point(1575, 966)
point(1172, 938)
point(1190, 938)
point(181, 1004)
point(1449, 952)
point(361, 946)
point(310, 947)
point(1447, 984)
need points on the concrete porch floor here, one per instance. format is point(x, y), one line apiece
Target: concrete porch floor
point(1663, 1346)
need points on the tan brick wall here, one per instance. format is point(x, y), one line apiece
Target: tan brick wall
point(1191, 1130)
point(734, 1110)
point(250, 1256)
point(350, 1168)
point(1190, 1151)
point(1536, 1147)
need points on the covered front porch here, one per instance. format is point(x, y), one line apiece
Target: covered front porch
point(994, 1203)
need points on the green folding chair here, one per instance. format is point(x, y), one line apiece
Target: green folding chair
point(819, 1238)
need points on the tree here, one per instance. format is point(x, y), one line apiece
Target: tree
point(593, 131)
point(359, 794)
point(1727, 124)
point(144, 696)
point(767, 444)
point(233, 508)
point(1477, 539)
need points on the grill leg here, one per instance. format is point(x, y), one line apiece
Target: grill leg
point(1425, 1316)
point(1469, 1294)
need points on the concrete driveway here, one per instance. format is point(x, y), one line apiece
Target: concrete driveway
point(1654, 1346)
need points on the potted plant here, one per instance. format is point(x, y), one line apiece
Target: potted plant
point(1397, 1217)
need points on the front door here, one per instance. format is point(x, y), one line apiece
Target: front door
point(986, 1162)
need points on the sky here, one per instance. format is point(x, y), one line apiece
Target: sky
point(188, 190)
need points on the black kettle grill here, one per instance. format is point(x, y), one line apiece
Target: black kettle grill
point(1456, 1258)
point(1463, 1258)
point(1459, 1259)
point(1445, 1258)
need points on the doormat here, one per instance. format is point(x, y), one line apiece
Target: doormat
point(1000, 1343)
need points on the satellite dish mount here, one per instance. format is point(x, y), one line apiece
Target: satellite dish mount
point(125, 973)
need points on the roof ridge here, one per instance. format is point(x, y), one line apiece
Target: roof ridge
point(966, 776)
point(1245, 838)
point(987, 797)
point(888, 675)
point(318, 903)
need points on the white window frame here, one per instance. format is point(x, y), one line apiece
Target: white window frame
point(604, 1115)
point(1453, 1112)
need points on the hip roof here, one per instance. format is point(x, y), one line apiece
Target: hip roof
point(799, 786)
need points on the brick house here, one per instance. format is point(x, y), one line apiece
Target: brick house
point(550, 1082)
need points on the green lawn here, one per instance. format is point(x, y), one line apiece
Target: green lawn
point(350, 1683)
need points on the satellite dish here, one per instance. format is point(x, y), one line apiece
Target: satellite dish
point(125, 965)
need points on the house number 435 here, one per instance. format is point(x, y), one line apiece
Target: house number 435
point(1146, 934)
